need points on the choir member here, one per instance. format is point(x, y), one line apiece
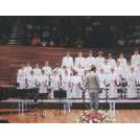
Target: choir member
point(106, 67)
point(57, 69)
point(111, 61)
point(47, 68)
point(132, 89)
point(101, 76)
point(90, 60)
point(76, 83)
point(37, 72)
point(135, 59)
point(66, 86)
point(43, 89)
point(80, 60)
point(99, 60)
point(27, 69)
point(67, 60)
point(21, 76)
point(122, 60)
point(31, 81)
point(55, 83)
point(43, 83)
point(113, 84)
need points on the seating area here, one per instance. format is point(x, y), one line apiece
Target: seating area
point(75, 32)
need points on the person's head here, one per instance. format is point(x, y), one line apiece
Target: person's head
point(64, 67)
point(109, 56)
point(57, 65)
point(112, 70)
point(37, 65)
point(32, 72)
point(68, 53)
point(121, 55)
point(93, 68)
point(132, 69)
point(43, 72)
point(90, 53)
point(80, 54)
point(75, 72)
point(136, 51)
point(47, 63)
point(100, 53)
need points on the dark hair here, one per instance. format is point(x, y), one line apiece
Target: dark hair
point(93, 68)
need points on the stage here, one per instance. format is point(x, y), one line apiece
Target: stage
point(76, 103)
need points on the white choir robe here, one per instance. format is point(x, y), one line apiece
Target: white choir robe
point(27, 71)
point(135, 60)
point(66, 85)
point(90, 61)
point(21, 79)
point(48, 70)
point(132, 89)
point(67, 61)
point(43, 84)
point(112, 63)
point(119, 74)
point(106, 68)
point(31, 81)
point(55, 84)
point(102, 85)
point(113, 85)
point(125, 71)
point(99, 62)
point(37, 73)
point(80, 61)
point(76, 83)
point(138, 75)
point(122, 61)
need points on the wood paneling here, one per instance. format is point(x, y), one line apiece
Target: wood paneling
point(11, 57)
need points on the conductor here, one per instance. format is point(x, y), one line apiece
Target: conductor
point(93, 86)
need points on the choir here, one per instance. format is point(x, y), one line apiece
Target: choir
point(118, 78)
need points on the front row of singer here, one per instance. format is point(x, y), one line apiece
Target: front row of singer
point(117, 78)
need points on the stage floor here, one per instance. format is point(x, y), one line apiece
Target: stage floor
point(52, 116)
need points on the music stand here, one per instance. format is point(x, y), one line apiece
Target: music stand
point(60, 95)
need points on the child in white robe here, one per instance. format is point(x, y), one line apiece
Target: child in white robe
point(132, 89)
point(31, 81)
point(21, 76)
point(135, 59)
point(55, 83)
point(66, 86)
point(111, 61)
point(67, 60)
point(76, 83)
point(122, 60)
point(47, 68)
point(113, 84)
point(90, 60)
point(27, 69)
point(80, 60)
point(102, 84)
point(99, 60)
point(37, 72)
